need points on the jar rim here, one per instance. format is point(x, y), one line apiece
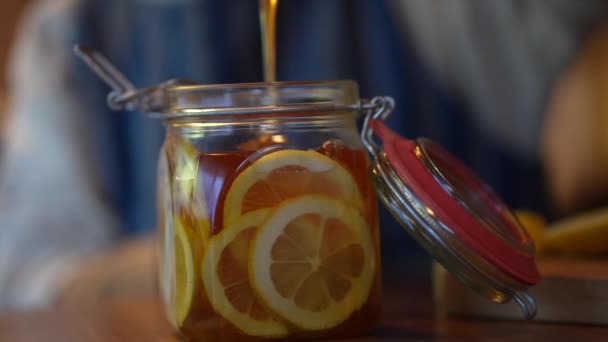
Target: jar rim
point(174, 100)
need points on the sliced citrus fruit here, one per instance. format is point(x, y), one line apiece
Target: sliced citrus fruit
point(184, 168)
point(166, 241)
point(185, 278)
point(286, 174)
point(179, 227)
point(313, 262)
point(188, 196)
point(197, 224)
point(226, 278)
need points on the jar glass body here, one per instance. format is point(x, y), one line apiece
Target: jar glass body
point(268, 227)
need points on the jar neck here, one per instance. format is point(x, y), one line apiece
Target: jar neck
point(229, 134)
point(267, 122)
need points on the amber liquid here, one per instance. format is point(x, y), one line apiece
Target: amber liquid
point(268, 24)
point(216, 172)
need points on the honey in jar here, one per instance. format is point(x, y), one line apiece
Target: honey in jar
point(271, 231)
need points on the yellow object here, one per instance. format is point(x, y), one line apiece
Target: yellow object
point(188, 194)
point(166, 245)
point(313, 262)
point(535, 224)
point(583, 234)
point(185, 278)
point(183, 158)
point(199, 225)
point(226, 278)
point(286, 174)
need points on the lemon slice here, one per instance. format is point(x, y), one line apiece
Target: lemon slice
point(184, 169)
point(313, 262)
point(226, 279)
point(166, 242)
point(185, 279)
point(188, 194)
point(286, 174)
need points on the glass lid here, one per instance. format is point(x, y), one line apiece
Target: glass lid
point(451, 212)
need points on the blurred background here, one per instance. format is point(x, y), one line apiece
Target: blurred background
point(11, 12)
point(517, 89)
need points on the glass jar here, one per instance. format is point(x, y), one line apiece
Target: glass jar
point(268, 221)
point(268, 218)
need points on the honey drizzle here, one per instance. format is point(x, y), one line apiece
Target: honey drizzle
point(268, 24)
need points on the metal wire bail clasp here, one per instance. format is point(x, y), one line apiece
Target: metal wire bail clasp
point(124, 95)
point(380, 107)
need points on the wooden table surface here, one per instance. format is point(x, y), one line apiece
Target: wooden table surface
point(409, 316)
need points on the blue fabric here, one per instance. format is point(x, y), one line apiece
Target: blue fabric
point(219, 42)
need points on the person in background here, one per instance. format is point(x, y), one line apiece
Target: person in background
point(76, 178)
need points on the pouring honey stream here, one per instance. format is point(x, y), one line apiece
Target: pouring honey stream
point(268, 25)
